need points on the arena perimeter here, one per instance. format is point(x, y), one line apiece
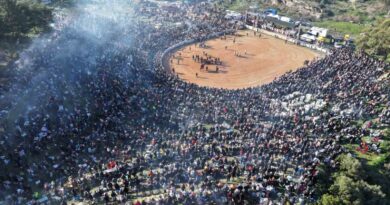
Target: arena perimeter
point(262, 59)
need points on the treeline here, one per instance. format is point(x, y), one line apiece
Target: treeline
point(23, 18)
point(375, 40)
point(354, 183)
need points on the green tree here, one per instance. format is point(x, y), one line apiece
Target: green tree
point(324, 178)
point(350, 166)
point(346, 190)
point(376, 40)
point(328, 199)
point(350, 185)
point(19, 18)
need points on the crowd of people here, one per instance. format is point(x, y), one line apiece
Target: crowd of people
point(104, 122)
point(206, 59)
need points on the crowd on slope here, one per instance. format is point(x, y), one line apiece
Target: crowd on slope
point(93, 131)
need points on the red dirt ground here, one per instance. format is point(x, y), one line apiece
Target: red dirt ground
point(266, 58)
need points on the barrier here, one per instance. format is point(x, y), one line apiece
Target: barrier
point(292, 40)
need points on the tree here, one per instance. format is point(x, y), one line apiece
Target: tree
point(19, 18)
point(349, 185)
point(328, 199)
point(376, 40)
point(350, 166)
point(346, 190)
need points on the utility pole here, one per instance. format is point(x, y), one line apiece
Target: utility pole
point(256, 20)
point(299, 32)
point(246, 16)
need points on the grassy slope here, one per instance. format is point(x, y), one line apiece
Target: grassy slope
point(350, 28)
point(351, 18)
point(375, 165)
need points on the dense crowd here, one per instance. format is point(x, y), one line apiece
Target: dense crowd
point(105, 122)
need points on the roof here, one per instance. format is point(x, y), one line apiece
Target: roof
point(280, 23)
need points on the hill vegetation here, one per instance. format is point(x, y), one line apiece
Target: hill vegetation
point(23, 18)
point(357, 11)
point(362, 178)
point(376, 40)
point(20, 21)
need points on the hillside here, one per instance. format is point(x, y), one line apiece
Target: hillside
point(358, 11)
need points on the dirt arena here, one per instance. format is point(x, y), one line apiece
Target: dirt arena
point(259, 60)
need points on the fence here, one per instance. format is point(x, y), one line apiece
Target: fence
point(292, 40)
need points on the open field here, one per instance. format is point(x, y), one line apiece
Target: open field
point(261, 60)
point(353, 29)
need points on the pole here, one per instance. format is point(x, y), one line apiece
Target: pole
point(299, 32)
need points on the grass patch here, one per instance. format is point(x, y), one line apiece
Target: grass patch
point(374, 165)
point(372, 159)
point(238, 6)
point(353, 29)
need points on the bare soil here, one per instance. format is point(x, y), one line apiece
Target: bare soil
point(261, 60)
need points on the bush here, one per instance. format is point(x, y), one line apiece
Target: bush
point(18, 18)
point(328, 199)
point(351, 166)
point(376, 40)
point(349, 186)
